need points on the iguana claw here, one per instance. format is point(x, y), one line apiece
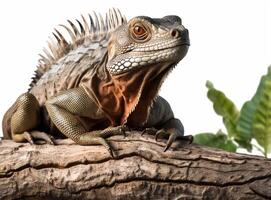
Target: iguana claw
point(38, 135)
point(171, 139)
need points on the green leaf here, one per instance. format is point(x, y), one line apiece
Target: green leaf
point(219, 140)
point(247, 114)
point(224, 107)
point(255, 115)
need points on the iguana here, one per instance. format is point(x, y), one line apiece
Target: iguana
point(104, 79)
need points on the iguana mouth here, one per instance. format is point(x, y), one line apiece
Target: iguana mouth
point(171, 47)
point(186, 43)
point(163, 46)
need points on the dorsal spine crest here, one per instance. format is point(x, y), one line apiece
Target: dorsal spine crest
point(59, 46)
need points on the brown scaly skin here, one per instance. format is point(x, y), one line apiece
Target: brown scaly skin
point(105, 80)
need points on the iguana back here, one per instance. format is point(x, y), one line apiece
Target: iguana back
point(65, 63)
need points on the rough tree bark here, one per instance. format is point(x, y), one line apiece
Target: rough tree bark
point(141, 171)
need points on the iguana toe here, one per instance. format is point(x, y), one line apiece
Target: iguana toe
point(151, 131)
point(159, 133)
point(28, 137)
point(123, 129)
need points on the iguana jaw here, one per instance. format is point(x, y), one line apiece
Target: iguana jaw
point(140, 58)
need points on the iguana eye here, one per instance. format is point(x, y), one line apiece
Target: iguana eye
point(139, 32)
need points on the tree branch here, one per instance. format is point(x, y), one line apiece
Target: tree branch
point(141, 171)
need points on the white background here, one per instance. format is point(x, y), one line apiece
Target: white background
point(230, 45)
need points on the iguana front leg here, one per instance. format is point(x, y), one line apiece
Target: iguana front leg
point(161, 122)
point(66, 109)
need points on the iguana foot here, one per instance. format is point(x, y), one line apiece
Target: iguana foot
point(98, 137)
point(31, 136)
point(110, 131)
point(173, 135)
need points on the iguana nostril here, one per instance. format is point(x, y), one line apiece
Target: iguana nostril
point(179, 33)
point(175, 33)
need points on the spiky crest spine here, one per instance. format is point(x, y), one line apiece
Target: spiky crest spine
point(59, 46)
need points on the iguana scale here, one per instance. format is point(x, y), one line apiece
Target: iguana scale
point(105, 79)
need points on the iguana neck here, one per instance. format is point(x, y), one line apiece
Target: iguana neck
point(128, 96)
point(139, 88)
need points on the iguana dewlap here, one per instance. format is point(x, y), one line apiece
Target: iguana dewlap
point(104, 79)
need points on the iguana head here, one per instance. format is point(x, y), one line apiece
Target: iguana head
point(140, 55)
point(145, 41)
